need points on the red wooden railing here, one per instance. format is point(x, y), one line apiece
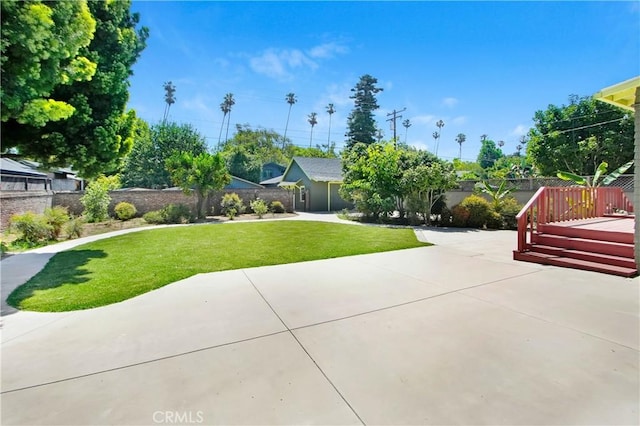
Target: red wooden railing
point(558, 204)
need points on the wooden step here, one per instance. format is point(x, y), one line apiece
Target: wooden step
point(588, 234)
point(567, 262)
point(594, 246)
point(584, 255)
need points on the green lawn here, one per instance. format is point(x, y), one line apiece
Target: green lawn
point(119, 268)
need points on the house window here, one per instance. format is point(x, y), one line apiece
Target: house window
point(302, 194)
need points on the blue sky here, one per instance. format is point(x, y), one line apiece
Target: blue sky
point(481, 67)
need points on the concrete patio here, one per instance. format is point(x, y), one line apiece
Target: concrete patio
point(457, 333)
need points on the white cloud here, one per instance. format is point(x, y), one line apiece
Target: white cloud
point(423, 119)
point(327, 50)
point(459, 120)
point(418, 144)
point(450, 102)
point(520, 130)
point(281, 63)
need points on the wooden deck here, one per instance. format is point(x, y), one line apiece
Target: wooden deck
point(602, 244)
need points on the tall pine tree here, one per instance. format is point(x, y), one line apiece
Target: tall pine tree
point(361, 125)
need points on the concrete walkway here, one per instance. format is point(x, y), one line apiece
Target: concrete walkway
point(457, 333)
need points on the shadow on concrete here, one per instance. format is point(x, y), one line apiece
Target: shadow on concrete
point(30, 272)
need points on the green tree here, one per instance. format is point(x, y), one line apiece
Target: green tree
point(425, 184)
point(96, 198)
point(202, 174)
point(145, 165)
point(579, 136)
point(372, 177)
point(360, 123)
point(243, 164)
point(489, 153)
point(330, 110)
point(99, 134)
point(41, 49)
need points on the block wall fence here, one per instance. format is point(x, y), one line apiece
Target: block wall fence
point(148, 200)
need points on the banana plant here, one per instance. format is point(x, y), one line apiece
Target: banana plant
point(497, 194)
point(600, 173)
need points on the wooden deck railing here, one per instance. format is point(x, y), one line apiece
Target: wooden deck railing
point(558, 204)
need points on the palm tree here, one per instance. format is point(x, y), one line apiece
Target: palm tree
point(225, 107)
point(229, 102)
point(500, 144)
point(406, 123)
point(291, 99)
point(169, 98)
point(312, 120)
point(460, 139)
point(330, 111)
point(435, 135)
point(440, 125)
point(483, 137)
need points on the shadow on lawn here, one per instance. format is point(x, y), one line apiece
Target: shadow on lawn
point(64, 268)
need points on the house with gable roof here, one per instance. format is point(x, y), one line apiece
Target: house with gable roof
point(314, 183)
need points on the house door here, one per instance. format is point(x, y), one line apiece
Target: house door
point(302, 199)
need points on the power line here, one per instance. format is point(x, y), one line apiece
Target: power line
point(393, 121)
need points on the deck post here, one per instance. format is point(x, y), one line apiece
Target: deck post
point(636, 177)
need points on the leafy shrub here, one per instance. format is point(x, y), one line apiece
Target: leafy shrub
point(445, 217)
point(479, 210)
point(32, 228)
point(177, 213)
point(259, 207)
point(509, 210)
point(96, 198)
point(459, 216)
point(74, 227)
point(494, 221)
point(277, 207)
point(3, 247)
point(154, 217)
point(125, 211)
point(56, 217)
point(232, 205)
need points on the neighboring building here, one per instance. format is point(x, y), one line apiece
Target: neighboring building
point(272, 183)
point(15, 176)
point(239, 183)
point(314, 183)
point(271, 170)
point(25, 175)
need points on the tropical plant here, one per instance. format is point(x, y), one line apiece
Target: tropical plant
point(461, 138)
point(291, 99)
point(74, 227)
point(56, 216)
point(312, 119)
point(330, 110)
point(169, 98)
point(228, 103)
point(406, 123)
point(600, 173)
point(439, 125)
point(497, 193)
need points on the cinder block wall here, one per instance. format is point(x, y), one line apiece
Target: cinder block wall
point(21, 202)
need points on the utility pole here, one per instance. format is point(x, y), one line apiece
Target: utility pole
point(393, 121)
